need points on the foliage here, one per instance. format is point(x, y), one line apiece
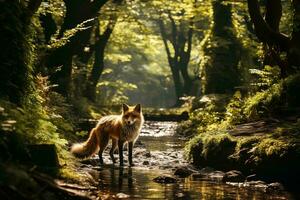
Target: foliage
point(38, 121)
point(115, 91)
point(234, 109)
point(270, 148)
point(263, 103)
point(57, 42)
point(206, 114)
point(223, 151)
point(266, 77)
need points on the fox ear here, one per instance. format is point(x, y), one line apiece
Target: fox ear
point(138, 108)
point(125, 107)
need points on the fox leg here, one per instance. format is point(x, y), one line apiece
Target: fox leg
point(104, 139)
point(112, 150)
point(130, 147)
point(120, 144)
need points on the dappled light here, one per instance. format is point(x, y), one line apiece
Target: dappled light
point(157, 99)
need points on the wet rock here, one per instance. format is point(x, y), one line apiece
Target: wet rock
point(199, 175)
point(206, 170)
point(139, 143)
point(236, 184)
point(165, 179)
point(164, 167)
point(252, 177)
point(122, 196)
point(207, 174)
point(257, 185)
point(180, 195)
point(140, 152)
point(253, 183)
point(147, 154)
point(173, 155)
point(90, 162)
point(183, 172)
point(234, 176)
point(274, 187)
point(146, 162)
point(216, 175)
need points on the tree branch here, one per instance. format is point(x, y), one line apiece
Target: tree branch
point(263, 31)
point(32, 7)
point(190, 36)
point(164, 38)
point(174, 31)
point(273, 14)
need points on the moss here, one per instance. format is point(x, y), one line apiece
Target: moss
point(193, 147)
point(211, 150)
point(263, 103)
point(267, 156)
point(270, 147)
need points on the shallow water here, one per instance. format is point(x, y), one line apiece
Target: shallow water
point(158, 153)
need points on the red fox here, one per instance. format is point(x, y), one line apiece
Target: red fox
point(119, 128)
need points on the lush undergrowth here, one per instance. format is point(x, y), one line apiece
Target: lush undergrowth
point(253, 154)
point(273, 153)
point(44, 118)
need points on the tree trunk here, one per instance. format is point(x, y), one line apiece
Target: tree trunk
point(100, 44)
point(16, 53)
point(177, 83)
point(294, 51)
point(272, 51)
point(221, 69)
point(179, 38)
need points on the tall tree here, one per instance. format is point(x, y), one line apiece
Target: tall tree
point(76, 12)
point(101, 41)
point(221, 52)
point(267, 31)
point(180, 38)
point(15, 56)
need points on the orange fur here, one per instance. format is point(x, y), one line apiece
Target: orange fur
point(125, 127)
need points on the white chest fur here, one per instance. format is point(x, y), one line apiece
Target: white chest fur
point(130, 133)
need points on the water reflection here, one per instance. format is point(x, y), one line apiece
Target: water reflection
point(137, 183)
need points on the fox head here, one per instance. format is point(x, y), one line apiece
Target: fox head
point(132, 115)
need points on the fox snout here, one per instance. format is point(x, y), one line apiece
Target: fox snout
point(130, 121)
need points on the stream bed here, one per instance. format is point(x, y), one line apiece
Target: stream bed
point(158, 152)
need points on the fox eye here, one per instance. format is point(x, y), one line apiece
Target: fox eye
point(126, 116)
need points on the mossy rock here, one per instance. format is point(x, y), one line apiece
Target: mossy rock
point(213, 150)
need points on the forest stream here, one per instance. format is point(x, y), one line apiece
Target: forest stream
point(157, 153)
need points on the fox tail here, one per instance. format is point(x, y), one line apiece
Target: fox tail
point(87, 148)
